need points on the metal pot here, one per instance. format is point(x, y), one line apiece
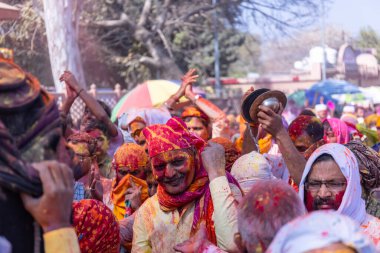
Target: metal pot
point(272, 103)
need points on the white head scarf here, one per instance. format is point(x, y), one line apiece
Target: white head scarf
point(352, 204)
point(320, 107)
point(318, 230)
point(250, 168)
point(151, 116)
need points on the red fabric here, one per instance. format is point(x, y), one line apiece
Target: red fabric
point(170, 136)
point(299, 125)
point(96, 227)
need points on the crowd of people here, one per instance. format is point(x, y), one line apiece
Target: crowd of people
point(191, 179)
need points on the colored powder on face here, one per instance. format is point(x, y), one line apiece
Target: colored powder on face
point(338, 199)
point(309, 201)
point(79, 148)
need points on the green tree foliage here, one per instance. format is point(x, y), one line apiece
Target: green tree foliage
point(369, 38)
point(27, 38)
point(249, 57)
point(128, 41)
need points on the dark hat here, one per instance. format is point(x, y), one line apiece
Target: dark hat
point(18, 89)
point(250, 105)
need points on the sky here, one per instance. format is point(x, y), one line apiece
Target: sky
point(352, 15)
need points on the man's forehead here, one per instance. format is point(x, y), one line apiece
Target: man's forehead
point(166, 156)
point(79, 148)
point(326, 170)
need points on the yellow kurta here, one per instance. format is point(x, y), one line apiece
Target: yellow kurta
point(157, 231)
point(62, 240)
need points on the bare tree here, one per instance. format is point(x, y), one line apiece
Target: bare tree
point(154, 23)
point(61, 22)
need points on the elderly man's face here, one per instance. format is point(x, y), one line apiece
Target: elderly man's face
point(174, 170)
point(325, 186)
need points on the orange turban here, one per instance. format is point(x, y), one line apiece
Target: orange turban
point(195, 112)
point(371, 119)
point(130, 155)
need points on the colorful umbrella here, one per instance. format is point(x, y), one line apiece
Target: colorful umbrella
point(149, 94)
point(328, 88)
point(298, 97)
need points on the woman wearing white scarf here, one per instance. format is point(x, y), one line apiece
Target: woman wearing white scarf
point(149, 116)
point(326, 231)
point(352, 204)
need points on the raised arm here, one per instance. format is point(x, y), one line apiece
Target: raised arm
point(187, 80)
point(93, 105)
point(272, 123)
point(210, 109)
point(223, 199)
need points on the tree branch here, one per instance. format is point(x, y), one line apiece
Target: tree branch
point(124, 20)
point(145, 13)
point(196, 11)
point(150, 62)
point(161, 19)
point(166, 43)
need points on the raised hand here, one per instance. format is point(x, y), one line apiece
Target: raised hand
point(246, 94)
point(188, 80)
point(95, 185)
point(53, 209)
point(270, 121)
point(214, 161)
point(70, 81)
point(133, 194)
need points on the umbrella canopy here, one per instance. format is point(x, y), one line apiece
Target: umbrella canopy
point(329, 88)
point(149, 94)
point(298, 97)
point(8, 12)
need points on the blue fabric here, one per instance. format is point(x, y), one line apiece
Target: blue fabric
point(79, 191)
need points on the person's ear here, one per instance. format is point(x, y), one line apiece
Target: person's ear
point(239, 242)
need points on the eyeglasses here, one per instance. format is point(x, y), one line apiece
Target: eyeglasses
point(330, 185)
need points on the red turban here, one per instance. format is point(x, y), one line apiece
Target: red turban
point(170, 136)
